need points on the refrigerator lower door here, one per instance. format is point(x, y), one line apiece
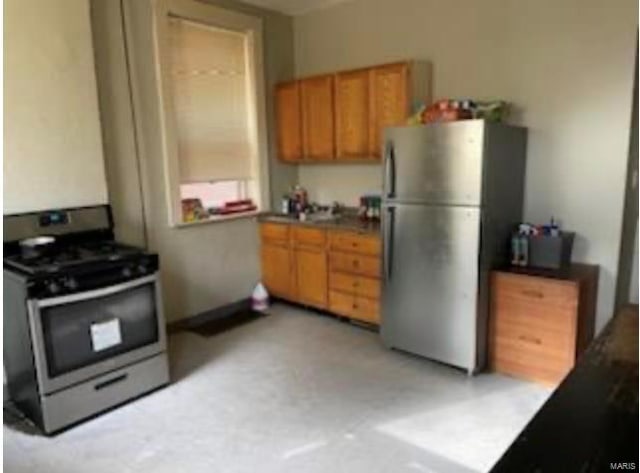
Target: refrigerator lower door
point(430, 281)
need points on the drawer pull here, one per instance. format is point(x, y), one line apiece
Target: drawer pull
point(536, 294)
point(355, 284)
point(534, 340)
point(109, 382)
point(355, 306)
point(355, 263)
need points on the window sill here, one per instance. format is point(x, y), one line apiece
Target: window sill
point(219, 218)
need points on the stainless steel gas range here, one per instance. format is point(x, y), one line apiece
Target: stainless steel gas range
point(84, 329)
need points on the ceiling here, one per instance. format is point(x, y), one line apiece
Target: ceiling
point(293, 7)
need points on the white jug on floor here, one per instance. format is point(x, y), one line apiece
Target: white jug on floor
point(260, 298)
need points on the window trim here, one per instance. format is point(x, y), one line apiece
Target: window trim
point(221, 218)
point(219, 18)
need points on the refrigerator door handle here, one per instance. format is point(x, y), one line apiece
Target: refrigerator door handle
point(390, 171)
point(388, 242)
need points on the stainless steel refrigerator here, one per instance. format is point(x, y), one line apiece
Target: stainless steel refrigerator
point(452, 193)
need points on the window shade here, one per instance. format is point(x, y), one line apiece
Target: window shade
point(210, 98)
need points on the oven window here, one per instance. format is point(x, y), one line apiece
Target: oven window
point(81, 333)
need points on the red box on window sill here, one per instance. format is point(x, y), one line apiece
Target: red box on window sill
point(237, 206)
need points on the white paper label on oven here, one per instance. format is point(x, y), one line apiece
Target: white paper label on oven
point(105, 334)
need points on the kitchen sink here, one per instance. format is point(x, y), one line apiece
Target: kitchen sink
point(317, 217)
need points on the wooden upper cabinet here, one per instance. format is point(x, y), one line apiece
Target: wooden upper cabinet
point(353, 114)
point(342, 116)
point(318, 133)
point(288, 121)
point(389, 102)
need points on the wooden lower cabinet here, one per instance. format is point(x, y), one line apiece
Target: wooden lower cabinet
point(277, 269)
point(311, 277)
point(354, 275)
point(353, 263)
point(541, 322)
point(355, 307)
point(354, 284)
point(299, 265)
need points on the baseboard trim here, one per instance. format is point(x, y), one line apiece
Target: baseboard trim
point(204, 317)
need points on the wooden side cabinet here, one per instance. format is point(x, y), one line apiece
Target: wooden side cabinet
point(288, 121)
point(541, 321)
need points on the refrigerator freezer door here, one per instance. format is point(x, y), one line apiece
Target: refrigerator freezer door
point(438, 163)
point(430, 281)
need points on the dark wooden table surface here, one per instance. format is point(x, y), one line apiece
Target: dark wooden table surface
point(590, 423)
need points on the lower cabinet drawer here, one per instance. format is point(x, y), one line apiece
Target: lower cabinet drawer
point(536, 291)
point(307, 236)
point(354, 264)
point(354, 242)
point(509, 310)
point(525, 358)
point(275, 232)
point(531, 351)
point(356, 307)
point(359, 285)
point(557, 337)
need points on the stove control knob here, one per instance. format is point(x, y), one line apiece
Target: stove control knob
point(71, 283)
point(53, 287)
point(126, 272)
point(142, 268)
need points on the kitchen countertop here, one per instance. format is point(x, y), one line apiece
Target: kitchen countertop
point(342, 222)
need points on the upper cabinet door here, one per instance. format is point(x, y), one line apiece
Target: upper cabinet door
point(353, 114)
point(318, 131)
point(288, 122)
point(389, 102)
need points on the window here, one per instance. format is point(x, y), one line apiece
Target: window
point(213, 111)
point(215, 194)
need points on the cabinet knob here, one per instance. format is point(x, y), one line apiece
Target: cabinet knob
point(530, 293)
point(534, 340)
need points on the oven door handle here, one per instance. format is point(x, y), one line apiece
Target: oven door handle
point(105, 291)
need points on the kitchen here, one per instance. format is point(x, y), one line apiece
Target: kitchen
point(209, 269)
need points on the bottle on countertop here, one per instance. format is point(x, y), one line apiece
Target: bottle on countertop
point(524, 250)
point(554, 228)
point(515, 249)
point(370, 207)
point(286, 204)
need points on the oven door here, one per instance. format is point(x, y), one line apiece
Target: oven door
point(79, 336)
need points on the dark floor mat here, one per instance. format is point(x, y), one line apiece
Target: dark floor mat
point(222, 324)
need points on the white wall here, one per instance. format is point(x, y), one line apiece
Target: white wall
point(566, 64)
point(52, 143)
